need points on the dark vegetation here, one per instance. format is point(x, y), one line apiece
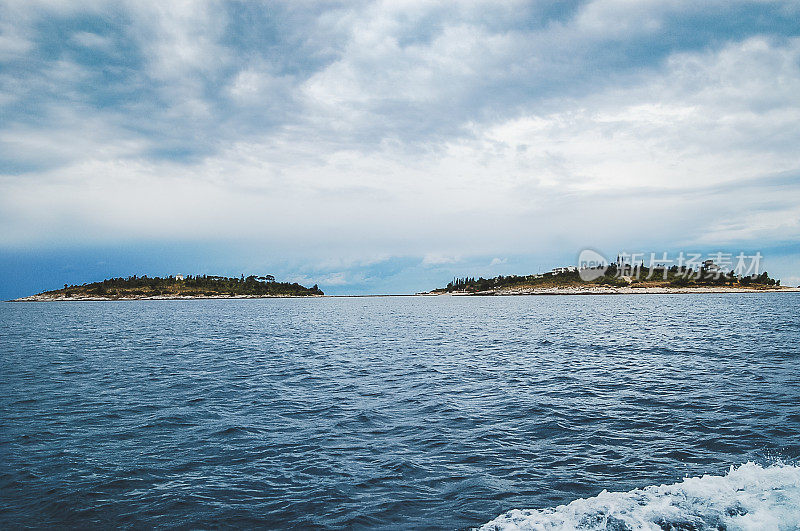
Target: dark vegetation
point(191, 286)
point(639, 276)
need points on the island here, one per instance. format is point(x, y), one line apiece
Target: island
point(178, 287)
point(616, 279)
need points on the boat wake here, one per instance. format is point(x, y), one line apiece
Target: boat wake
point(747, 497)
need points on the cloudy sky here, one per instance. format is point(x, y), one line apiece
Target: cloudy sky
point(388, 146)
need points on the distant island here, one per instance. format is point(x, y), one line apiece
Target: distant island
point(613, 279)
point(178, 287)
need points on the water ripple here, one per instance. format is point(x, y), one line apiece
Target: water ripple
point(383, 412)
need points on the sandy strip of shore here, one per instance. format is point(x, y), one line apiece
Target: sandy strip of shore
point(593, 290)
point(608, 290)
point(51, 298)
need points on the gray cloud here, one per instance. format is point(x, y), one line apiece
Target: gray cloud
point(381, 129)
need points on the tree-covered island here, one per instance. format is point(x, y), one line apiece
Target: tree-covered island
point(616, 279)
point(172, 287)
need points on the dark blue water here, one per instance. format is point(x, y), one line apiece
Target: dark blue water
point(381, 412)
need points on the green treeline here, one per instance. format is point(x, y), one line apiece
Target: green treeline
point(190, 286)
point(639, 275)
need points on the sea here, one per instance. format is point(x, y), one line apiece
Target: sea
point(527, 412)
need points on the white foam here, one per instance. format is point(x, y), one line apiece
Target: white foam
point(749, 497)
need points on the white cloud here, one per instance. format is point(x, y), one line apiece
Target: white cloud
point(640, 152)
point(625, 18)
point(654, 135)
point(411, 130)
point(92, 40)
point(438, 259)
point(336, 279)
point(181, 38)
point(754, 226)
point(17, 32)
point(13, 43)
point(791, 281)
point(74, 138)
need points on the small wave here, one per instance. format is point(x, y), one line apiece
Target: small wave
point(236, 430)
point(747, 497)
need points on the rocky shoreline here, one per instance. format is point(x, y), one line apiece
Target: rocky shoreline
point(565, 290)
point(610, 290)
point(61, 298)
